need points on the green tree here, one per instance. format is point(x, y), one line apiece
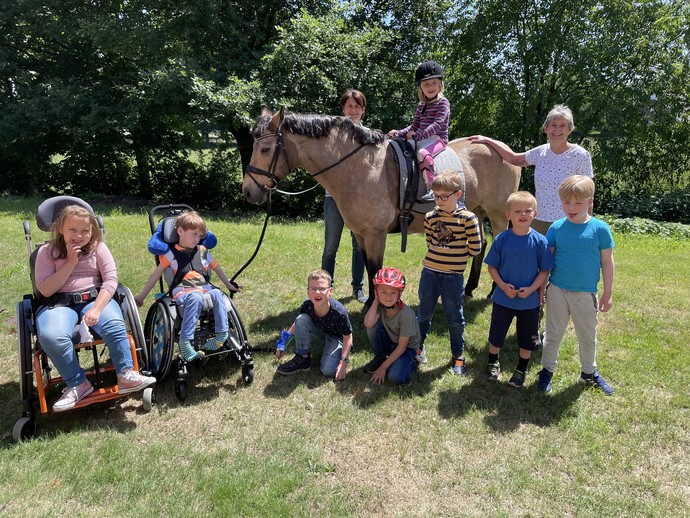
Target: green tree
point(621, 67)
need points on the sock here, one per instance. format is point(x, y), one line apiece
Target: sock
point(216, 342)
point(522, 364)
point(493, 358)
point(187, 351)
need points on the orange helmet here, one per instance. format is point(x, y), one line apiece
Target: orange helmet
point(390, 277)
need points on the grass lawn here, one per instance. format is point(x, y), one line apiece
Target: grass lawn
point(307, 446)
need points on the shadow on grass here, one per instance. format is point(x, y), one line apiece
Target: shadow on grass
point(506, 407)
point(204, 383)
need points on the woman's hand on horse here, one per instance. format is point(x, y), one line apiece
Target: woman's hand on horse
point(478, 139)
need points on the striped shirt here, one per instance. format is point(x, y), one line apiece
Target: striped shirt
point(451, 238)
point(432, 121)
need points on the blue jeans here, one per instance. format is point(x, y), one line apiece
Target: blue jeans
point(193, 303)
point(305, 328)
point(451, 288)
point(54, 326)
point(334, 229)
point(400, 372)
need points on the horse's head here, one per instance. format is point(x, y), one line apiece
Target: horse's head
point(269, 163)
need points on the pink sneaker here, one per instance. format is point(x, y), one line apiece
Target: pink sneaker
point(131, 381)
point(72, 395)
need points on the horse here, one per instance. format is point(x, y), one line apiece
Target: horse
point(357, 166)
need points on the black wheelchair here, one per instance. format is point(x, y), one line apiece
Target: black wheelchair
point(35, 369)
point(164, 318)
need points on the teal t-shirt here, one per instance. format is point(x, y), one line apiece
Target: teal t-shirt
point(577, 254)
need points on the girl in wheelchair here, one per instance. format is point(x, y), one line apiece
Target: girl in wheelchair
point(190, 262)
point(76, 275)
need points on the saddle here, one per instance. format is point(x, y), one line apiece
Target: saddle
point(412, 186)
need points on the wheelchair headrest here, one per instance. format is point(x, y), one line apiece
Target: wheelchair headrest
point(170, 234)
point(50, 209)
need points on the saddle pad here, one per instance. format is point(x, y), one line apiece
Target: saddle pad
point(446, 159)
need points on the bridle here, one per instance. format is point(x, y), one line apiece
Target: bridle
point(270, 174)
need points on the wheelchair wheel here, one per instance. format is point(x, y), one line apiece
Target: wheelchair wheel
point(26, 369)
point(181, 390)
point(148, 399)
point(24, 429)
point(247, 374)
point(133, 323)
point(159, 338)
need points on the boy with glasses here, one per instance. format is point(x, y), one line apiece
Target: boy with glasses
point(322, 316)
point(452, 236)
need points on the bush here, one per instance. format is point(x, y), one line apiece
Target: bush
point(647, 226)
point(672, 206)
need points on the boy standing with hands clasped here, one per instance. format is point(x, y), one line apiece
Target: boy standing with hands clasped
point(326, 318)
point(519, 262)
point(452, 236)
point(582, 247)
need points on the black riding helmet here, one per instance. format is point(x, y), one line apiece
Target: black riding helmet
point(428, 70)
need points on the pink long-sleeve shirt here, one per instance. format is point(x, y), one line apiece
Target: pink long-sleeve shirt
point(96, 269)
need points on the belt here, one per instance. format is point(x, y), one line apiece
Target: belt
point(69, 298)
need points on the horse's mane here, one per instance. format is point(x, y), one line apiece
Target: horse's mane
point(317, 126)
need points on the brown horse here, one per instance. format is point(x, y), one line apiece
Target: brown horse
point(357, 167)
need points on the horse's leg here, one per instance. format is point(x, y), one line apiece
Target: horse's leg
point(373, 245)
point(499, 223)
point(477, 260)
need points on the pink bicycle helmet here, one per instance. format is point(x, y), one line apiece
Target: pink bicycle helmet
point(390, 277)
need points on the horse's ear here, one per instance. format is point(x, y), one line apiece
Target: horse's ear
point(266, 111)
point(276, 120)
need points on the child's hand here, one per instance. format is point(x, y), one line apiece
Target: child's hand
point(285, 337)
point(379, 375)
point(523, 293)
point(139, 300)
point(91, 317)
point(341, 371)
point(73, 252)
point(392, 133)
point(542, 295)
point(605, 303)
point(410, 135)
point(233, 287)
point(510, 290)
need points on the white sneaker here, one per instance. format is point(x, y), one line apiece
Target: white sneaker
point(72, 395)
point(421, 355)
point(131, 381)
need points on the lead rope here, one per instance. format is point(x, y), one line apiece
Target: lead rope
point(258, 245)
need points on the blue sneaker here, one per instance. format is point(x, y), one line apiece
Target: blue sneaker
point(594, 380)
point(544, 380)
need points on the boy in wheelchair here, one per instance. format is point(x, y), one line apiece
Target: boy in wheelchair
point(190, 261)
point(76, 275)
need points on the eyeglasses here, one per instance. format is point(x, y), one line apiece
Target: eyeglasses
point(319, 290)
point(444, 197)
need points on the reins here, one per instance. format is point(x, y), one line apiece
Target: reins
point(270, 175)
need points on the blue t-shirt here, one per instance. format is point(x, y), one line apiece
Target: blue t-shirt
point(335, 323)
point(519, 259)
point(578, 253)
